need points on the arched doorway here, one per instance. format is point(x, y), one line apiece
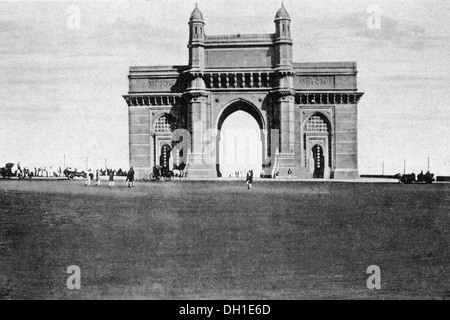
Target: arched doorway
point(164, 158)
point(319, 161)
point(317, 146)
point(240, 140)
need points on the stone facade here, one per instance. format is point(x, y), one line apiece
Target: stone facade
point(307, 112)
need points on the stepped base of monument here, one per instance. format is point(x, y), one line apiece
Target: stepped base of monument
point(288, 165)
point(346, 174)
point(201, 171)
point(142, 173)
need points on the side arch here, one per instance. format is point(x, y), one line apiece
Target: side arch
point(318, 132)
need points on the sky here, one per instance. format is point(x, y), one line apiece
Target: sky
point(63, 77)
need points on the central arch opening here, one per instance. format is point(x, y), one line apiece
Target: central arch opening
point(240, 141)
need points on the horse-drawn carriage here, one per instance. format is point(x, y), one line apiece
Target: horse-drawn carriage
point(426, 178)
point(72, 173)
point(8, 171)
point(161, 172)
point(15, 170)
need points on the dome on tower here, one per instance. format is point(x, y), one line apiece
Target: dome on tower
point(196, 15)
point(282, 14)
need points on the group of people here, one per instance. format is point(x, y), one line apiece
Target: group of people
point(98, 182)
point(50, 172)
point(23, 172)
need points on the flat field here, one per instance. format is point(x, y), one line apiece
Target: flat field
point(218, 240)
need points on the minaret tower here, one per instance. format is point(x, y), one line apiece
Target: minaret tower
point(283, 44)
point(283, 94)
point(199, 161)
point(196, 48)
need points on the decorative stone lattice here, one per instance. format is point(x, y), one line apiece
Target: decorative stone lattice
point(316, 123)
point(162, 124)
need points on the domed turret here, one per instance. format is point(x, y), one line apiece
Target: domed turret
point(283, 38)
point(196, 39)
point(282, 14)
point(197, 15)
point(282, 23)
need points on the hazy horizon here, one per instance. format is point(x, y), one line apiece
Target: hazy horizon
point(61, 87)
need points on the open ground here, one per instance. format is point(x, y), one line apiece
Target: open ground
point(218, 240)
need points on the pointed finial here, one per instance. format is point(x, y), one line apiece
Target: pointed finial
point(282, 13)
point(196, 14)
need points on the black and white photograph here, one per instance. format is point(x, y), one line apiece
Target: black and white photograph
point(225, 150)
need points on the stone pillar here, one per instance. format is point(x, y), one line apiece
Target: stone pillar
point(346, 141)
point(286, 107)
point(287, 157)
point(200, 162)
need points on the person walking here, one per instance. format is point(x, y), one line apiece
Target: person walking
point(98, 182)
point(111, 178)
point(290, 173)
point(88, 178)
point(130, 177)
point(249, 179)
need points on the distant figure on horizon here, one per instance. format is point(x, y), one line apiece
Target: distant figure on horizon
point(249, 179)
point(111, 178)
point(88, 178)
point(98, 182)
point(421, 176)
point(289, 173)
point(130, 177)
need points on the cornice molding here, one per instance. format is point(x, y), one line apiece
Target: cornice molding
point(311, 98)
point(152, 100)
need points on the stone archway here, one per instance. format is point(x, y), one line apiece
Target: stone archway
point(242, 148)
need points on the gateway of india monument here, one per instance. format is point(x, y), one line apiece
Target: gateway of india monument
point(307, 112)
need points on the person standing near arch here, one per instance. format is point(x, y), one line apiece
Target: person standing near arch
point(130, 177)
point(249, 179)
point(88, 178)
point(97, 178)
point(111, 178)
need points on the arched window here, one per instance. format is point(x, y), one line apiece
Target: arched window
point(162, 124)
point(316, 123)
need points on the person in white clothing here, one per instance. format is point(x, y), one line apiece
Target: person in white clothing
point(88, 178)
point(97, 178)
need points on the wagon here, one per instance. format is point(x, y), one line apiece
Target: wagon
point(426, 178)
point(161, 172)
point(70, 174)
point(8, 171)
